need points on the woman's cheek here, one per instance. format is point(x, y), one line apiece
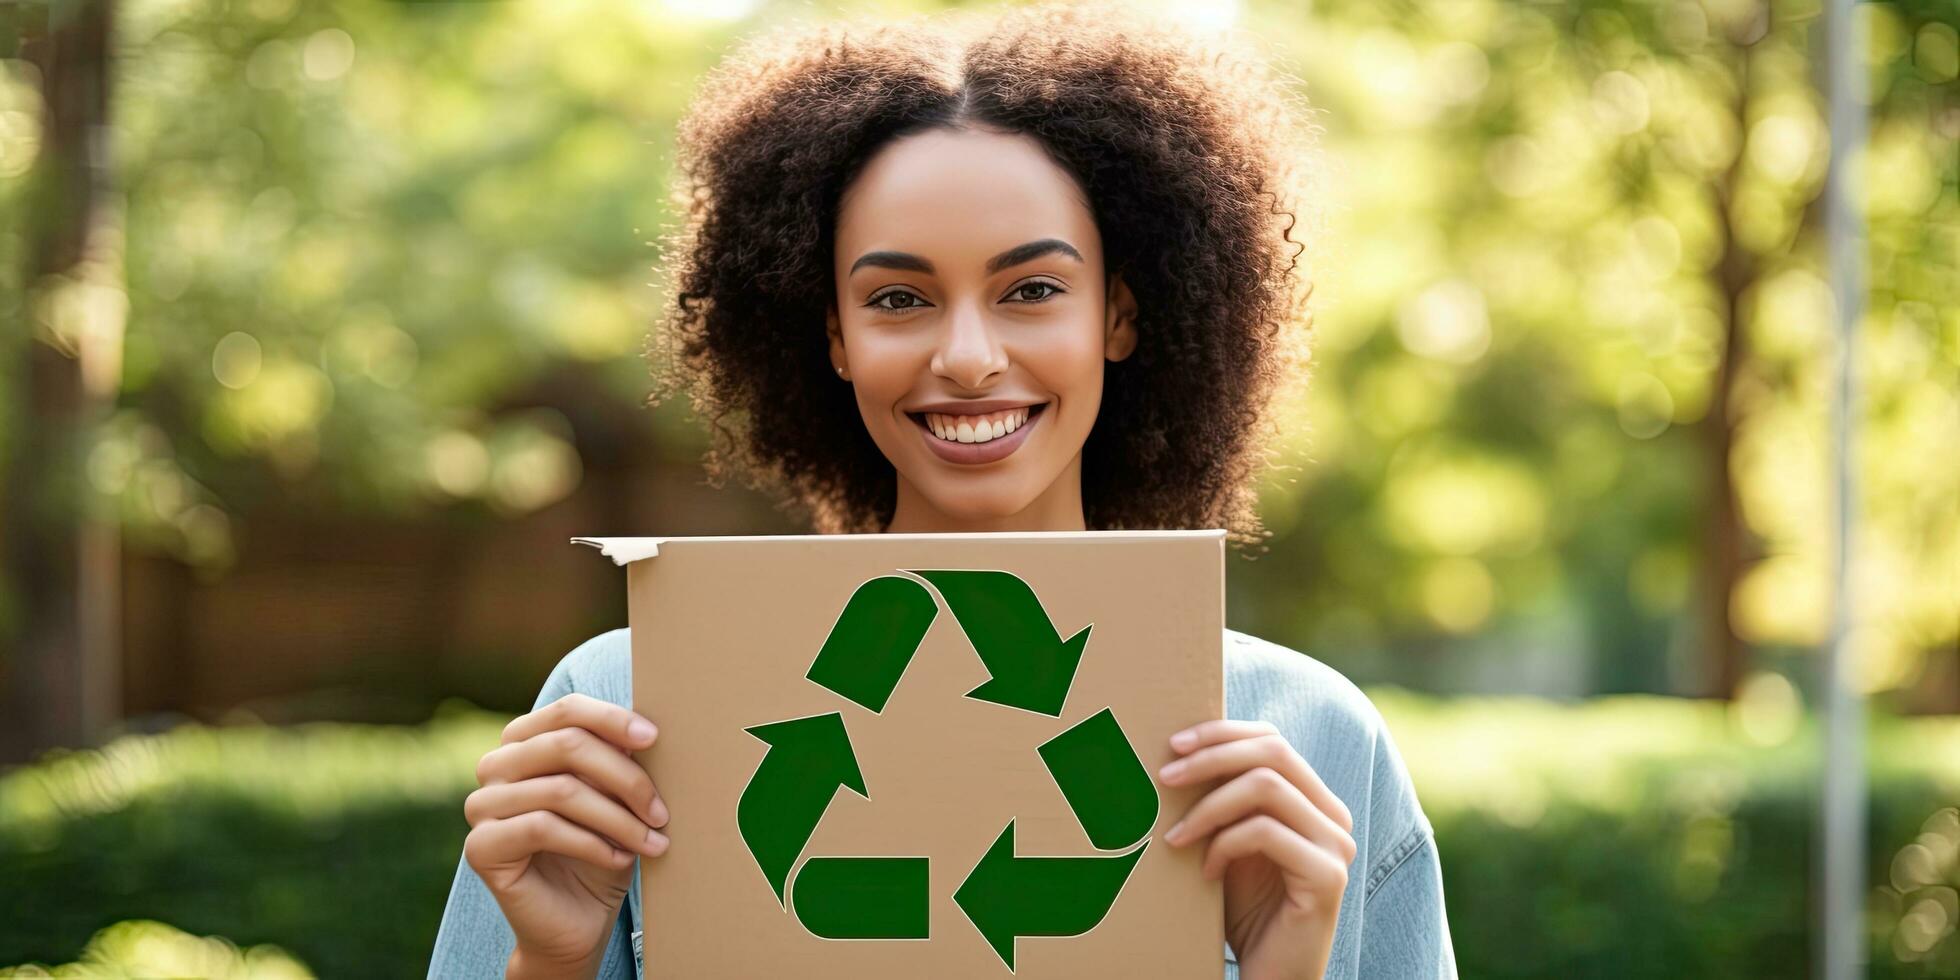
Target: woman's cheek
point(1073, 370)
point(884, 370)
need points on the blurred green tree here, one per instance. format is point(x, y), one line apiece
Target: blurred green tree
point(1568, 429)
point(1576, 342)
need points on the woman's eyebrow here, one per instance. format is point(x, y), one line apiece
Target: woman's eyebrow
point(905, 261)
point(1031, 251)
point(908, 262)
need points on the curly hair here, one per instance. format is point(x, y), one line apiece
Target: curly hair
point(1189, 153)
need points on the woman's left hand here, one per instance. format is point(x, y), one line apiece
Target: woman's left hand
point(1278, 835)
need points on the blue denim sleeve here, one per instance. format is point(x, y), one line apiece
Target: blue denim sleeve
point(1404, 932)
point(474, 940)
point(1404, 929)
point(1391, 921)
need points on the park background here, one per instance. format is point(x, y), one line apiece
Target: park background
point(324, 333)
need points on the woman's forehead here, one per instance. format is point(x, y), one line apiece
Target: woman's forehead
point(959, 197)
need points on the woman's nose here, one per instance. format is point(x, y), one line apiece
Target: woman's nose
point(969, 352)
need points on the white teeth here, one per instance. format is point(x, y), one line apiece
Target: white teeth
point(976, 428)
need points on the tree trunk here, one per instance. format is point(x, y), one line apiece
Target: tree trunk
point(58, 664)
point(1726, 539)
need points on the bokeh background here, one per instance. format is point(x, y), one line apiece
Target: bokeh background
point(324, 332)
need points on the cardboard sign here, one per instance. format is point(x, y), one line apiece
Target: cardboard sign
point(922, 755)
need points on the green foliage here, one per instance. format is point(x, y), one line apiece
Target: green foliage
point(380, 255)
point(143, 948)
point(394, 256)
point(1563, 238)
point(1632, 834)
point(337, 842)
point(1637, 836)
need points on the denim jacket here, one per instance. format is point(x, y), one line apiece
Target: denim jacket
point(1391, 922)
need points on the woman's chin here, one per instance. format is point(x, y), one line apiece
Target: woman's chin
point(979, 509)
point(973, 498)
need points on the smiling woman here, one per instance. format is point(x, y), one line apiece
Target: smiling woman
point(1027, 271)
point(1074, 212)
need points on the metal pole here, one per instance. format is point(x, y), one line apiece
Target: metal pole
point(1843, 806)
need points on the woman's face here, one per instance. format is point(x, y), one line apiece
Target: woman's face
point(973, 318)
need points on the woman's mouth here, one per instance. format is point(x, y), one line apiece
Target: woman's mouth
point(972, 439)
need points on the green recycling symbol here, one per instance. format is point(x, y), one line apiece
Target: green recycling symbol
point(1030, 667)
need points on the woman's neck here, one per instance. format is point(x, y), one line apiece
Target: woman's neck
point(1059, 508)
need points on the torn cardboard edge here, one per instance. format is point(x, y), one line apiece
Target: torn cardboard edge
point(625, 551)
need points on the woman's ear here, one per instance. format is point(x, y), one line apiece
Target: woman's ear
point(835, 331)
point(1120, 320)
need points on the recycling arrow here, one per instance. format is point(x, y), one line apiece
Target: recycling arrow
point(808, 760)
point(1029, 664)
point(874, 639)
point(865, 897)
point(1104, 781)
point(1008, 896)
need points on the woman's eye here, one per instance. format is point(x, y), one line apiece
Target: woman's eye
point(1033, 292)
point(902, 300)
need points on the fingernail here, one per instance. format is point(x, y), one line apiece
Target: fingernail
point(657, 842)
point(658, 811)
point(640, 730)
point(1183, 740)
point(1171, 835)
point(1172, 771)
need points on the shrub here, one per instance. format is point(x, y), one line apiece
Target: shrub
point(1641, 836)
point(337, 842)
point(152, 949)
point(1623, 837)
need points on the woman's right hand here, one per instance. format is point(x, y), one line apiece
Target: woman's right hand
point(561, 810)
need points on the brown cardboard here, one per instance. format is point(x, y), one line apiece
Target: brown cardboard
point(724, 631)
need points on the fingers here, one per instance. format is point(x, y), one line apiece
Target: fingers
point(497, 843)
point(1261, 791)
point(609, 721)
point(1221, 749)
point(1313, 871)
point(1207, 733)
point(569, 797)
point(1272, 804)
point(581, 753)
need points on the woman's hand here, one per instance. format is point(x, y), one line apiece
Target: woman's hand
point(561, 811)
point(1276, 833)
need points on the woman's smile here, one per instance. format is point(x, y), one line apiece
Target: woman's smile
point(969, 437)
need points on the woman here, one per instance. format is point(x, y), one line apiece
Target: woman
point(1033, 272)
